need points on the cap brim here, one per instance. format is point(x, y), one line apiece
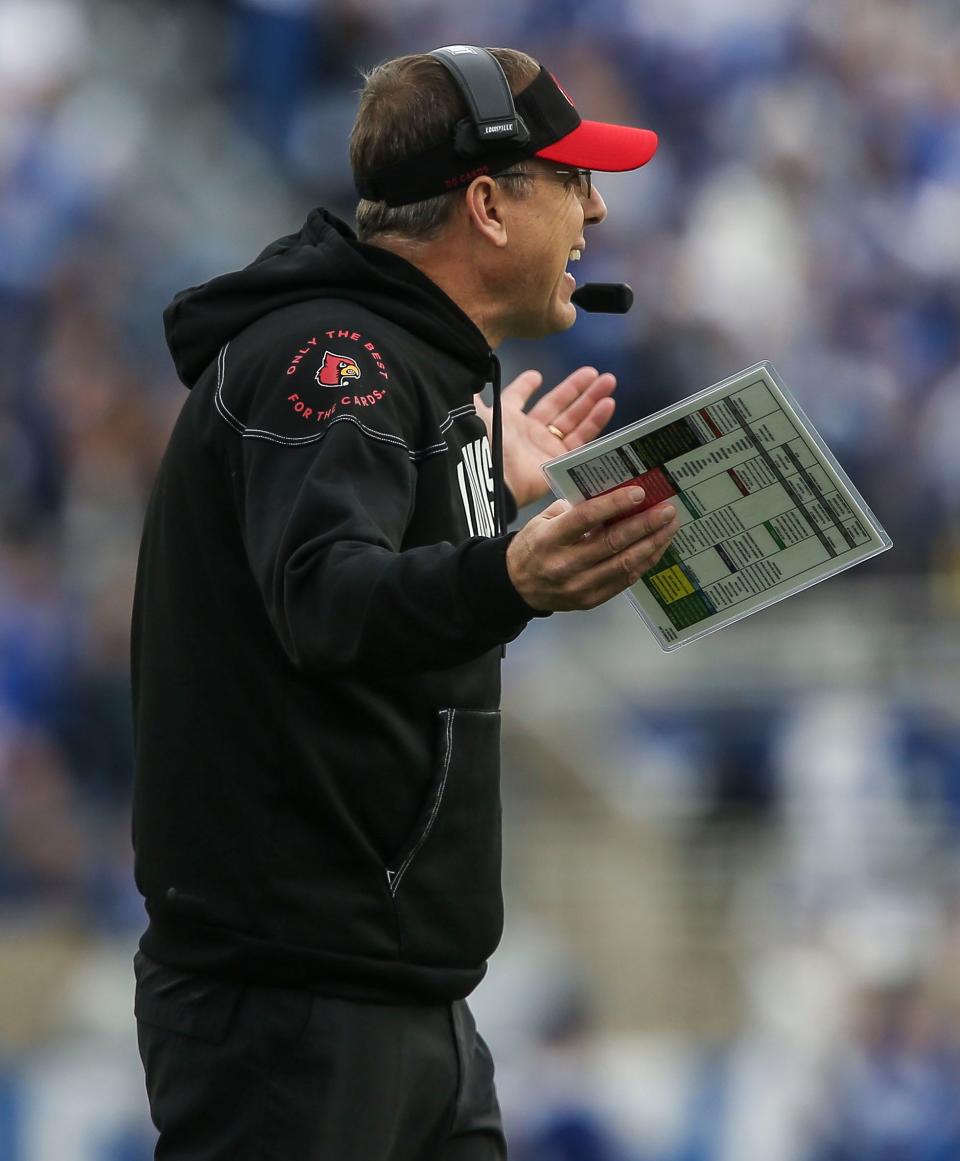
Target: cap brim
point(597, 145)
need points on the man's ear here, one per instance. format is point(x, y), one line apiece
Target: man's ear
point(485, 201)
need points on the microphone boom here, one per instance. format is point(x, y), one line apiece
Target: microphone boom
point(603, 297)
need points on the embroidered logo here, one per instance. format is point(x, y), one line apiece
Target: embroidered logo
point(337, 370)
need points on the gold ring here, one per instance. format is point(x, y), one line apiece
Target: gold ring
point(555, 431)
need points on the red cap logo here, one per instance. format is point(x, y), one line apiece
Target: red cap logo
point(563, 90)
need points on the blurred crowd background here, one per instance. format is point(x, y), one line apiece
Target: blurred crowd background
point(732, 877)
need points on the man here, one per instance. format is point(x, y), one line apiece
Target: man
point(324, 591)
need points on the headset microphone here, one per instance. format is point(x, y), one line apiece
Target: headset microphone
point(603, 297)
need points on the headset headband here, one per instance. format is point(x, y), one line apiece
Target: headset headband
point(483, 83)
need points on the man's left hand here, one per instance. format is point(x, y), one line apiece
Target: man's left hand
point(579, 408)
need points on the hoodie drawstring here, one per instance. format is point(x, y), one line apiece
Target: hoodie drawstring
point(499, 496)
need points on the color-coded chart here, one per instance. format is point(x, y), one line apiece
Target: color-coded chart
point(765, 510)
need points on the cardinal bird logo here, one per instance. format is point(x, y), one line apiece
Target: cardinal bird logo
point(337, 370)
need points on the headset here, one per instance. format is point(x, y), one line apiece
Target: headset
point(493, 116)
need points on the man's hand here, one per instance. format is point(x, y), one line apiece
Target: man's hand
point(580, 408)
point(571, 557)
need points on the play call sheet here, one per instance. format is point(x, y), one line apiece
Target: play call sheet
point(763, 511)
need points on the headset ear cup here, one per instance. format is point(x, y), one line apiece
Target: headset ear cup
point(522, 135)
point(484, 86)
point(466, 143)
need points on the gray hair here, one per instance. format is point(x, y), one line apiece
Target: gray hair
point(408, 105)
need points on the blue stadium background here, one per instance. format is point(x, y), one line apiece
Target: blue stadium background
point(732, 875)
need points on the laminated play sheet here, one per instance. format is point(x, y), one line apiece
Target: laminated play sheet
point(765, 509)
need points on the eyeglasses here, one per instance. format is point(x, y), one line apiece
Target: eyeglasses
point(579, 180)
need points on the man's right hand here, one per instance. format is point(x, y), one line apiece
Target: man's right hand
point(571, 557)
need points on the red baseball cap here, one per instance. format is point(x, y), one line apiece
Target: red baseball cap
point(599, 145)
point(552, 129)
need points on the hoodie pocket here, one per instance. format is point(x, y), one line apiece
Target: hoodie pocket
point(445, 881)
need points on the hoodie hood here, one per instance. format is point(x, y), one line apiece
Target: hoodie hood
point(322, 260)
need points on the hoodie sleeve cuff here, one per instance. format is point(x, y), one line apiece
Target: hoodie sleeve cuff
point(511, 504)
point(495, 604)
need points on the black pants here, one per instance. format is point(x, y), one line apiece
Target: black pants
point(239, 1073)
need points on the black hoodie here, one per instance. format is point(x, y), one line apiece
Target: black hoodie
point(321, 603)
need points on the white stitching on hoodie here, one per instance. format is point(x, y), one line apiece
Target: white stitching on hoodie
point(296, 440)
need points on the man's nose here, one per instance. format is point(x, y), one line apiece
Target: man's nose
point(594, 208)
